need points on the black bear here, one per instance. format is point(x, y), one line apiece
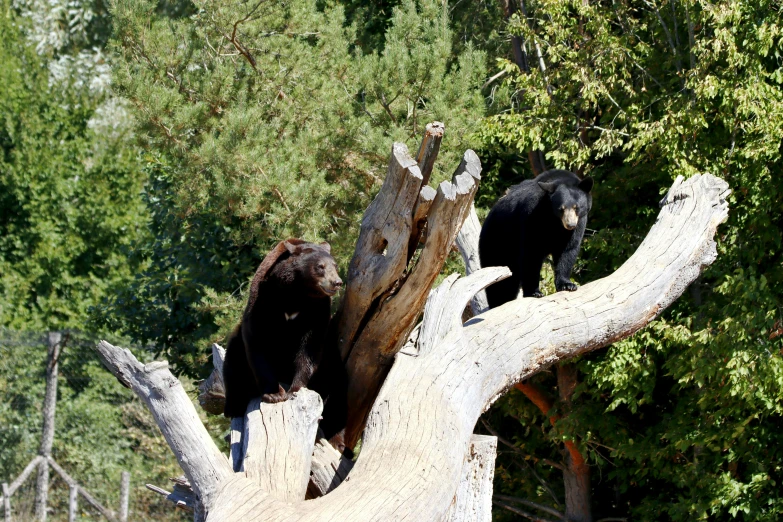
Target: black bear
point(540, 216)
point(283, 333)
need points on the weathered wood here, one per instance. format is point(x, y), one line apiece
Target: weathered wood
point(420, 427)
point(212, 391)
point(426, 197)
point(47, 432)
point(235, 452)
point(176, 416)
point(473, 501)
point(394, 318)
point(73, 503)
point(429, 148)
point(381, 250)
point(6, 502)
point(467, 243)
point(277, 444)
point(182, 500)
point(425, 159)
point(328, 469)
point(26, 472)
point(124, 496)
point(108, 514)
point(443, 311)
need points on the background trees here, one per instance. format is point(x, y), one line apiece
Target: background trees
point(231, 125)
point(680, 421)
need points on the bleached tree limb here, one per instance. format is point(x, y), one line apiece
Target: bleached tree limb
point(212, 392)
point(420, 426)
point(176, 416)
point(467, 244)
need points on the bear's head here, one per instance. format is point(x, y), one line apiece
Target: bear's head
point(570, 201)
point(313, 266)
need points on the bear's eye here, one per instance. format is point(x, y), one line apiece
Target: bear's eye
point(562, 207)
point(321, 266)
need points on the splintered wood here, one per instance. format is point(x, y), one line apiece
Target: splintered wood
point(387, 285)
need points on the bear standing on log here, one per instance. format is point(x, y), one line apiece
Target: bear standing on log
point(540, 216)
point(282, 336)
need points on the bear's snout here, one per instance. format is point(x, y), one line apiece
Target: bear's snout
point(570, 218)
point(332, 286)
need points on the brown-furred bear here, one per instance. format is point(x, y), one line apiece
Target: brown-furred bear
point(282, 338)
point(540, 216)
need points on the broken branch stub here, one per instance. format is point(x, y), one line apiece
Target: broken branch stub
point(467, 243)
point(277, 442)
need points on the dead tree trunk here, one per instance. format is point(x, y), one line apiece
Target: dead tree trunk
point(419, 422)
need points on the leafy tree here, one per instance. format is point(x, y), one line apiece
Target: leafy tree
point(268, 122)
point(680, 421)
point(68, 191)
point(69, 211)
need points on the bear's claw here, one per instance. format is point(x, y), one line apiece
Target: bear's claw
point(273, 398)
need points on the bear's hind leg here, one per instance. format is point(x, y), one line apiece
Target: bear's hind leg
point(503, 291)
point(240, 385)
point(531, 275)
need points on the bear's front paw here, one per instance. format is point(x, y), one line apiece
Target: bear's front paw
point(537, 294)
point(273, 398)
point(567, 286)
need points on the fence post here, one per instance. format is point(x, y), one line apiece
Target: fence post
point(72, 503)
point(47, 435)
point(6, 502)
point(124, 496)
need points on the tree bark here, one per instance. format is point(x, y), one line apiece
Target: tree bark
point(420, 426)
point(124, 496)
point(47, 432)
point(576, 478)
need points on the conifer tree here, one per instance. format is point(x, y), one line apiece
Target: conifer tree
point(264, 121)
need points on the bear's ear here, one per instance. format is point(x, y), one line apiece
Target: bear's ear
point(549, 188)
point(290, 246)
point(586, 185)
point(326, 246)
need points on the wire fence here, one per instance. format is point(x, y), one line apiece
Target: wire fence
point(101, 430)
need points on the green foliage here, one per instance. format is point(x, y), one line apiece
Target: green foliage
point(69, 212)
point(101, 428)
point(69, 197)
point(268, 122)
point(680, 420)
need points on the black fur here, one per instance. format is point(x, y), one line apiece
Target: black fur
point(529, 223)
point(282, 336)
